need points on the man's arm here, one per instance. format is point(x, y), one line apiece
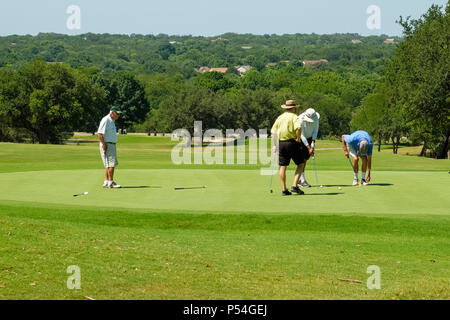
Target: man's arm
point(102, 140)
point(274, 142)
point(369, 167)
point(345, 145)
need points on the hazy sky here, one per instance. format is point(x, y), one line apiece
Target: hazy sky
point(207, 17)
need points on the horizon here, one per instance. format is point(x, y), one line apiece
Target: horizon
point(207, 18)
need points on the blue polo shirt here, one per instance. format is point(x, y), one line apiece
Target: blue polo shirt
point(355, 138)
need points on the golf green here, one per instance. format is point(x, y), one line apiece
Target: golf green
point(232, 191)
point(231, 240)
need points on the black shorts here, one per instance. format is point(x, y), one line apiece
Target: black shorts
point(290, 149)
point(304, 149)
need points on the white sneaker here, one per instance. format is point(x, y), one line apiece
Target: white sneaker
point(115, 185)
point(105, 185)
point(364, 182)
point(355, 182)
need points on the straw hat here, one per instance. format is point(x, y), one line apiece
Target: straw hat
point(289, 104)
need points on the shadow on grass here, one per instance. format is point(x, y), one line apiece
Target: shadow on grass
point(320, 194)
point(349, 185)
point(142, 187)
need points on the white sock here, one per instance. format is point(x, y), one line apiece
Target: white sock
point(356, 175)
point(106, 182)
point(110, 182)
point(302, 177)
point(363, 176)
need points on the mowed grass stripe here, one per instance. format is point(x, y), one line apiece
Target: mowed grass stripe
point(220, 257)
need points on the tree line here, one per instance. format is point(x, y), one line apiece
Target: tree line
point(403, 95)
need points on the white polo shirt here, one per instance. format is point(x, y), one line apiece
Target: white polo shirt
point(108, 129)
point(309, 130)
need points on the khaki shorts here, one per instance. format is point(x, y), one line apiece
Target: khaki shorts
point(110, 158)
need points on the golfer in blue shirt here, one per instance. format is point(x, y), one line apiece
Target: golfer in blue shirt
point(360, 145)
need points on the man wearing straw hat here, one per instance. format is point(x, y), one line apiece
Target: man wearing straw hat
point(309, 124)
point(286, 134)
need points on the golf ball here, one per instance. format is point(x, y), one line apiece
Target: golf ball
point(86, 193)
point(340, 188)
point(321, 186)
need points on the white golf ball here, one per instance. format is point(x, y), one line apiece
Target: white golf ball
point(340, 188)
point(86, 193)
point(321, 186)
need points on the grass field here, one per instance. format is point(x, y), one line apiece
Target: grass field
point(232, 240)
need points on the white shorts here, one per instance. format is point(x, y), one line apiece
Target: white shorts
point(110, 158)
point(352, 151)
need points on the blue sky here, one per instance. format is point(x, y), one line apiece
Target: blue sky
point(207, 17)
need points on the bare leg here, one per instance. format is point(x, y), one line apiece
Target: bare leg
point(106, 174)
point(364, 164)
point(355, 164)
point(283, 177)
point(111, 174)
point(301, 167)
point(298, 173)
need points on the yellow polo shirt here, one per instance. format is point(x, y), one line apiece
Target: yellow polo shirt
point(285, 126)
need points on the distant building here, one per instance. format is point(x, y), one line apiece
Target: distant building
point(243, 69)
point(220, 39)
point(221, 70)
point(390, 41)
point(356, 41)
point(14, 44)
point(271, 64)
point(314, 63)
point(172, 42)
point(246, 47)
point(202, 69)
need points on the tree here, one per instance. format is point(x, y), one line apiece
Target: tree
point(47, 100)
point(128, 93)
point(419, 76)
point(371, 116)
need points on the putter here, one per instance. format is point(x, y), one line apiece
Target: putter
point(315, 169)
point(351, 164)
point(271, 176)
point(81, 194)
point(189, 188)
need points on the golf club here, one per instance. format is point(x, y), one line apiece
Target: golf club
point(271, 176)
point(81, 194)
point(315, 169)
point(189, 188)
point(349, 161)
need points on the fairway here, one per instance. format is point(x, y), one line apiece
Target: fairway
point(230, 240)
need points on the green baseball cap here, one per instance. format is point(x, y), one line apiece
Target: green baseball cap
point(116, 110)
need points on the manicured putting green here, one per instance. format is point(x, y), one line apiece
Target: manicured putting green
point(232, 191)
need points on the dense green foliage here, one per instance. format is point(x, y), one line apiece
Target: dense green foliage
point(395, 92)
point(414, 100)
point(146, 54)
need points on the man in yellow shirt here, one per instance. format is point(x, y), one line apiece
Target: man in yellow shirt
point(286, 134)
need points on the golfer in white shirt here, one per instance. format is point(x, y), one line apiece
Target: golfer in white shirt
point(309, 123)
point(107, 134)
